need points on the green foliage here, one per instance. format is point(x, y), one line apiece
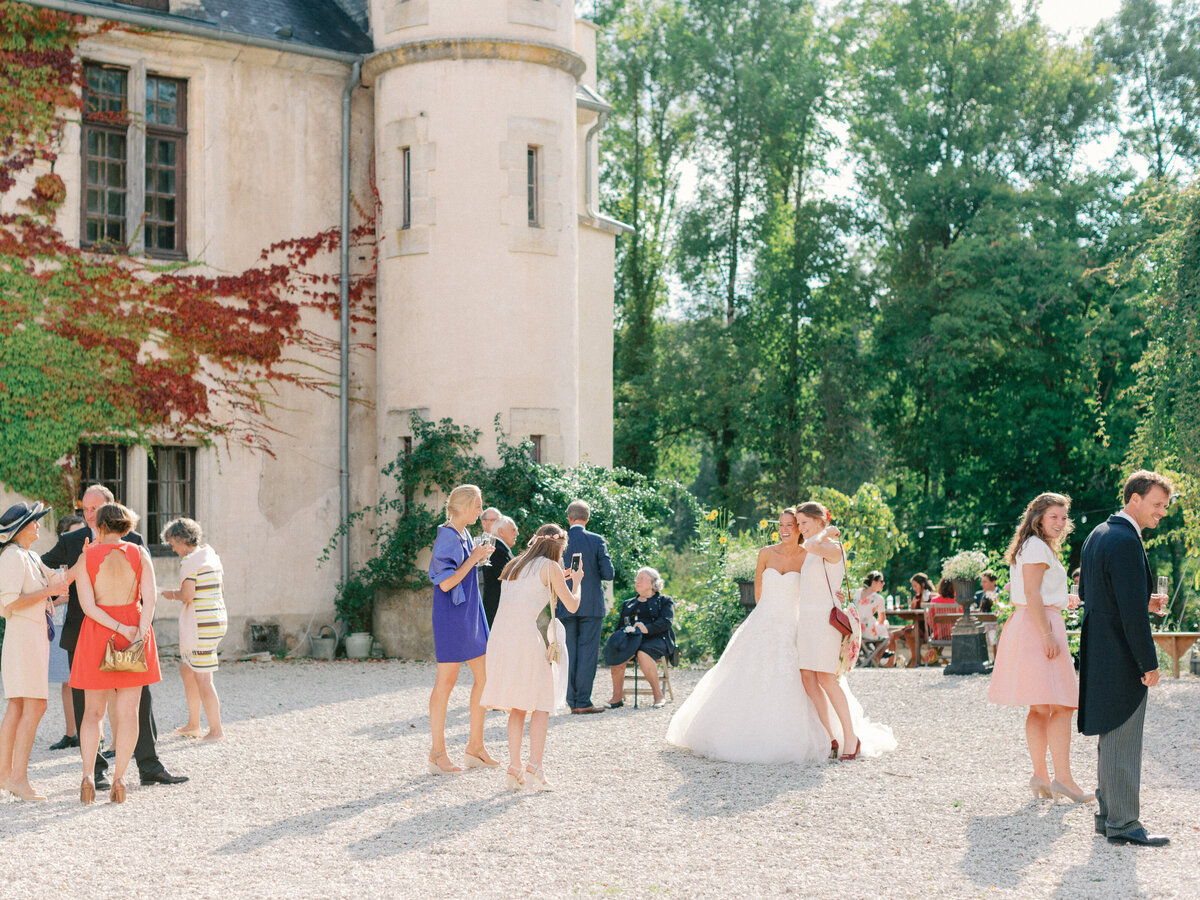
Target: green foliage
point(708, 609)
point(627, 508)
point(868, 527)
point(354, 604)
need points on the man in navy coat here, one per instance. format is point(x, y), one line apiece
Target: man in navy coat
point(1117, 659)
point(583, 625)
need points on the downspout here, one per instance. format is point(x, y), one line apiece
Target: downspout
point(344, 317)
point(590, 203)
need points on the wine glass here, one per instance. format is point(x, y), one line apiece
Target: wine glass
point(485, 540)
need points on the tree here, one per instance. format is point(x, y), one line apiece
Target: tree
point(1154, 55)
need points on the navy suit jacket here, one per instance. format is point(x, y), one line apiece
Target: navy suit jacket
point(597, 567)
point(65, 553)
point(1115, 646)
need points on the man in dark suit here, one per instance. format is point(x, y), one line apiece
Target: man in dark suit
point(65, 553)
point(583, 626)
point(504, 530)
point(1117, 659)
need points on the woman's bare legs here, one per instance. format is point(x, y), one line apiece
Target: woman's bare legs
point(95, 704)
point(1058, 736)
point(650, 669)
point(1035, 735)
point(475, 738)
point(125, 728)
point(539, 722)
point(192, 691)
point(212, 705)
point(16, 740)
point(618, 680)
point(516, 730)
point(439, 699)
point(68, 711)
point(813, 688)
point(829, 684)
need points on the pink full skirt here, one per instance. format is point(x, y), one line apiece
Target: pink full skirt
point(1023, 676)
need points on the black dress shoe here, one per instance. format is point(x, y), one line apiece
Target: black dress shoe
point(162, 776)
point(610, 705)
point(66, 742)
point(102, 782)
point(1138, 836)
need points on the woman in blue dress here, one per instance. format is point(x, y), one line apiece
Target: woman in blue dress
point(460, 631)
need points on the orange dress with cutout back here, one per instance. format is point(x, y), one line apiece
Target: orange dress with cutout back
point(93, 637)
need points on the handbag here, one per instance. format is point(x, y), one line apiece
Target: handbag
point(131, 659)
point(837, 616)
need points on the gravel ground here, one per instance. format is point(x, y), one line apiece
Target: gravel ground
point(320, 791)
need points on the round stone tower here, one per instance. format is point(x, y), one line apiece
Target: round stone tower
point(476, 157)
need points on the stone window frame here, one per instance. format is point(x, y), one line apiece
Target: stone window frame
point(136, 132)
point(523, 133)
point(405, 14)
point(407, 189)
point(542, 423)
point(538, 13)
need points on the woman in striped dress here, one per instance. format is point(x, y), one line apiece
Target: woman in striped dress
point(202, 624)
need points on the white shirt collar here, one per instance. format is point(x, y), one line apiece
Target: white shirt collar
point(1128, 518)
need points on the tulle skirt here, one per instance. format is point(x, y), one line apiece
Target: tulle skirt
point(1022, 675)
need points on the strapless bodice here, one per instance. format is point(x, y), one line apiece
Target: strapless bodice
point(780, 595)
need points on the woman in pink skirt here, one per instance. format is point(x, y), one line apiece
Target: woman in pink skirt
point(1033, 663)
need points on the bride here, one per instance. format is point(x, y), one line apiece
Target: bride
point(752, 706)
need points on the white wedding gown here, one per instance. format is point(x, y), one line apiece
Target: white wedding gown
point(751, 706)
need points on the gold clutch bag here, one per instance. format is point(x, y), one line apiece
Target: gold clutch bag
point(131, 659)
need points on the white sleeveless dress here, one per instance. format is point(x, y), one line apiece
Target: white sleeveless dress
point(751, 707)
point(818, 642)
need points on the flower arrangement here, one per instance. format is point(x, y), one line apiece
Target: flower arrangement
point(741, 560)
point(965, 565)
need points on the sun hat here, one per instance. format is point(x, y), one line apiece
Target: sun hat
point(17, 517)
point(621, 646)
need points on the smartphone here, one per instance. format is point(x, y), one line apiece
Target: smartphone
point(576, 561)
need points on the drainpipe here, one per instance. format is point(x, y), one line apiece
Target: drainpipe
point(344, 317)
point(590, 204)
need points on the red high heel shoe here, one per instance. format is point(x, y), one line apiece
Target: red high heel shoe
point(854, 755)
point(833, 749)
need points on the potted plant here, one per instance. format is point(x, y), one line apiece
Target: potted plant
point(964, 569)
point(355, 607)
point(741, 561)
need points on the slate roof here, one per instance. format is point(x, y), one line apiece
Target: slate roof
point(330, 24)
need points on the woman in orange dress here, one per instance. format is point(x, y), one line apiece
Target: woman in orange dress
point(115, 581)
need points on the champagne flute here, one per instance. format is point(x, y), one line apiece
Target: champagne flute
point(1163, 587)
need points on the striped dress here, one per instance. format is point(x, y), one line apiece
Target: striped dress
point(203, 622)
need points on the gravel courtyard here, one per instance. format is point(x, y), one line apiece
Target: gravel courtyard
point(321, 791)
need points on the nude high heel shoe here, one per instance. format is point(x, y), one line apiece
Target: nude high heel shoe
point(1041, 788)
point(538, 782)
point(87, 791)
point(117, 795)
point(516, 780)
point(471, 761)
point(435, 767)
point(1059, 789)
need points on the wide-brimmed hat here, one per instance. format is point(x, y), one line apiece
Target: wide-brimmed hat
point(18, 516)
point(621, 646)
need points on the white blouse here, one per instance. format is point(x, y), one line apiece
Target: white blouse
point(1054, 581)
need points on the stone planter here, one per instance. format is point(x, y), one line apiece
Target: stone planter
point(403, 622)
point(358, 645)
point(747, 593)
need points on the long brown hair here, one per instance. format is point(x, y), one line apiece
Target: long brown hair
point(814, 510)
point(548, 542)
point(1031, 524)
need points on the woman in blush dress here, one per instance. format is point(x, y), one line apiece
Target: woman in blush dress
point(460, 631)
point(520, 670)
point(1033, 663)
point(751, 706)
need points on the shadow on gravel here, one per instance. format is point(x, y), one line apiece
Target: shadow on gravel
point(429, 829)
point(712, 788)
point(1109, 872)
point(1028, 834)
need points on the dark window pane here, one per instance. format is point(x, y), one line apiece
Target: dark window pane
point(93, 231)
point(166, 238)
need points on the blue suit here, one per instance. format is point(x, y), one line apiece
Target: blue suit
point(1115, 651)
point(583, 626)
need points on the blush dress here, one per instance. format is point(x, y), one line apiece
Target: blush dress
point(520, 674)
point(122, 604)
point(460, 630)
point(818, 643)
point(1022, 675)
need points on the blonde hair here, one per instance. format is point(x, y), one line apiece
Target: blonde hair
point(460, 497)
point(1031, 524)
point(548, 542)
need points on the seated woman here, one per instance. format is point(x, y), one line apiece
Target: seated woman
point(922, 590)
point(871, 613)
point(645, 630)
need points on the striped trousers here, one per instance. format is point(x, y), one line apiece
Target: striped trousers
point(1120, 774)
